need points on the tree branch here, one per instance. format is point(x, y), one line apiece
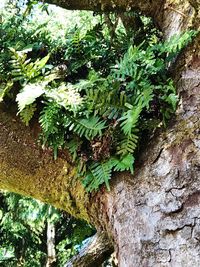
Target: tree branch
point(28, 170)
point(94, 254)
point(149, 7)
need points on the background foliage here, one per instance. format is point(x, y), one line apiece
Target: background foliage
point(23, 232)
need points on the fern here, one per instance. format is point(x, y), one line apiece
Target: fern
point(127, 145)
point(67, 96)
point(130, 118)
point(4, 89)
point(27, 113)
point(119, 100)
point(73, 146)
point(76, 40)
point(97, 109)
point(103, 96)
point(124, 164)
point(52, 123)
point(176, 43)
point(89, 128)
point(147, 94)
point(99, 173)
point(23, 69)
point(29, 94)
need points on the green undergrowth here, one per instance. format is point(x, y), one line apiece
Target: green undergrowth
point(96, 96)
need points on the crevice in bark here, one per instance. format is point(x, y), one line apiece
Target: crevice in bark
point(158, 156)
point(173, 231)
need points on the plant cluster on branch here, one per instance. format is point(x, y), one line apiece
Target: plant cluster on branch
point(95, 98)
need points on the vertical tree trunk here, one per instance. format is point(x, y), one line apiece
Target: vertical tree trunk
point(51, 250)
point(154, 215)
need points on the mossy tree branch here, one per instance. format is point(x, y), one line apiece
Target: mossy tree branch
point(28, 170)
point(108, 5)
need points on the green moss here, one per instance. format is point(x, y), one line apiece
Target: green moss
point(28, 170)
point(185, 130)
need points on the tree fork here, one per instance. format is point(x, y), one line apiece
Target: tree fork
point(154, 215)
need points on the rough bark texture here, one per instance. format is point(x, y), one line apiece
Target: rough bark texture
point(149, 7)
point(154, 215)
point(51, 250)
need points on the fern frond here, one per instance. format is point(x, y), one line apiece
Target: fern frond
point(53, 123)
point(23, 69)
point(29, 94)
point(98, 174)
point(67, 96)
point(127, 145)
point(124, 164)
point(4, 89)
point(105, 98)
point(176, 42)
point(130, 118)
point(146, 94)
point(90, 182)
point(88, 128)
point(73, 146)
point(48, 118)
point(27, 113)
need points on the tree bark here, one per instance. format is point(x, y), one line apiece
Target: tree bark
point(28, 170)
point(51, 248)
point(149, 7)
point(94, 254)
point(153, 216)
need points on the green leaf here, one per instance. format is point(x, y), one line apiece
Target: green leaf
point(67, 96)
point(99, 173)
point(29, 94)
point(27, 113)
point(127, 145)
point(39, 64)
point(124, 164)
point(88, 128)
point(73, 146)
point(5, 90)
point(130, 118)
point(172, 100)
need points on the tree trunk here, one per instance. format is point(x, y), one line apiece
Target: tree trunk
point(153, 216)
point(51, 249)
